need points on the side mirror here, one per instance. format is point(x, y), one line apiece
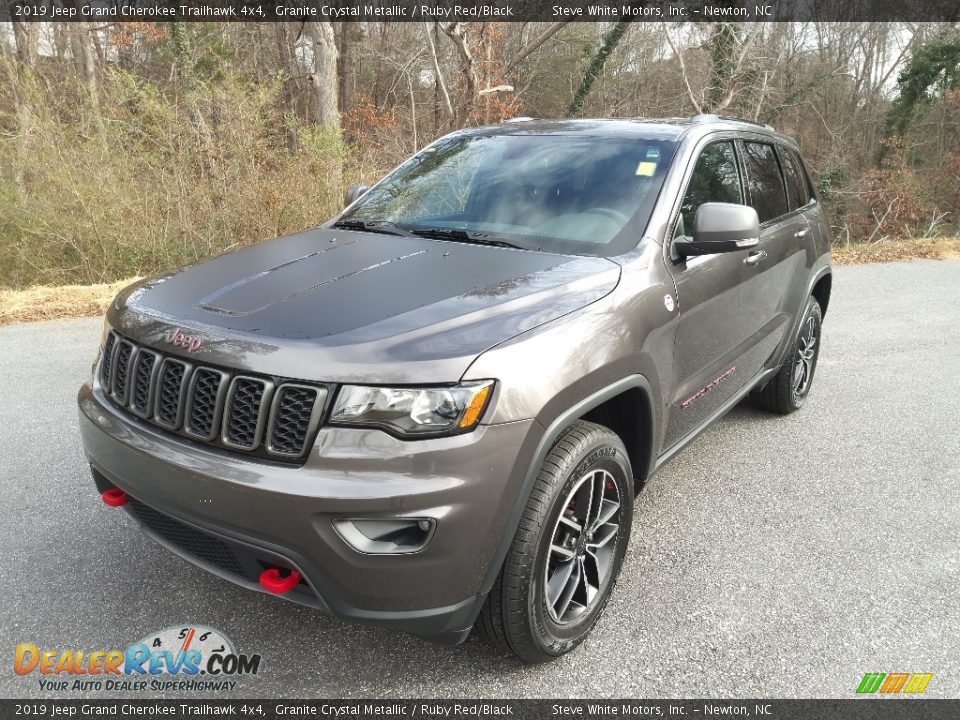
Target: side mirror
point(353, 193)
point(721, 227)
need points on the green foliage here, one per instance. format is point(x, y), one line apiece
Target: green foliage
point(933, 69)
point(829, 180)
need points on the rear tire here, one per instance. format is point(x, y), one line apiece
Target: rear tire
point(568, 549)
point(788, 389)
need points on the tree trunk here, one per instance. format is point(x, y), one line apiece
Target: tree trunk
point(606, 48)
point(81, 41)
point(23, 82)
point(345, 66)
point(26, 36)
point(722, 46)
point(323, 76)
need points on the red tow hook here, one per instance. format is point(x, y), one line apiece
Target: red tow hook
point(271, 581)
point(114, 497)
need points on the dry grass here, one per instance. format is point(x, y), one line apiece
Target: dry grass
point(43, 302)
point(893, 250)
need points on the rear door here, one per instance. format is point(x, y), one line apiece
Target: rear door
point(809, 234)
point(778, 262)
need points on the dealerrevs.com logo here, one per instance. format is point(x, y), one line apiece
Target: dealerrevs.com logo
point(181, 658)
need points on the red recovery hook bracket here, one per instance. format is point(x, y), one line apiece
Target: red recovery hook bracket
point(114, 497)
point(271, 581)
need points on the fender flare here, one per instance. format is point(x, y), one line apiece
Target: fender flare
point(795, 325)
point(546, 443)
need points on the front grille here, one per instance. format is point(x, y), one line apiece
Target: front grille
point(190, 540)
point(263, 416)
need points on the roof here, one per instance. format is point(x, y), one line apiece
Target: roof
point(647, 128)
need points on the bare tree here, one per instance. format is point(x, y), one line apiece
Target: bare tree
point(81, 42)
point(323, 75)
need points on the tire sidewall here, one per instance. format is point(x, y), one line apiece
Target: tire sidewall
point(553, 638)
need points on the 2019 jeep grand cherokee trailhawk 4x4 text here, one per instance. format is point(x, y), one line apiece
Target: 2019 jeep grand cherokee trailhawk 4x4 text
point(432, 413)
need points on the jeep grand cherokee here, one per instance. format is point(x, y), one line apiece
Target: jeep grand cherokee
point(432, 413)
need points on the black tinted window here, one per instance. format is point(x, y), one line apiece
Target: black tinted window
point(797, 190)
point(715, 178)
point(767, 195)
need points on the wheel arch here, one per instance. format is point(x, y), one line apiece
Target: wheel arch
point(821, 291)
point(630, 416)
point(609, 401)
point(819, 287)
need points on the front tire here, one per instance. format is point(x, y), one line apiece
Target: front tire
point(789, 388)
point(568, 549)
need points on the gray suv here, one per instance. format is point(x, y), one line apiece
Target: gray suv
point(433, 412)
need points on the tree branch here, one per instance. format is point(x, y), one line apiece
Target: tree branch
point(527, 49)
point(683, 71)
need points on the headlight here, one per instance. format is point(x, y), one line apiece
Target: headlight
point(413, 412)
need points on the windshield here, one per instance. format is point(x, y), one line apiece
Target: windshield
point(559, 193)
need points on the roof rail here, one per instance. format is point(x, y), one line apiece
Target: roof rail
point(519, 119)
point(710, 117)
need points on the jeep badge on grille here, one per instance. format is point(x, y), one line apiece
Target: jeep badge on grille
point(192, 343)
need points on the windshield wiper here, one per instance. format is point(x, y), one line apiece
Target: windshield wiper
point(474, 237)
point(378, 226)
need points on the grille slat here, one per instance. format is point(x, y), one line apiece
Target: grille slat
point(244, 419)
point(106, 365)
point(170, 392)
point(202, 419)
point(292, 417)
point(121, 370)
point(142, 381)
point(207, 404)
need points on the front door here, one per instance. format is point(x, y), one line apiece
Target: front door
point(717, 325)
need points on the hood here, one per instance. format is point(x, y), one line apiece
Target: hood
point(346, 306)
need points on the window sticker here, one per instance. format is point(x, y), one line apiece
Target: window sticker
point(646, 169)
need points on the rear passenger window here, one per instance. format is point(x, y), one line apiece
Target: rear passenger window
point(797, 191)
point(767, 195)
point(715, 178)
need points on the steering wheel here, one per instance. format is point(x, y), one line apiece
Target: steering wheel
point(610, 213)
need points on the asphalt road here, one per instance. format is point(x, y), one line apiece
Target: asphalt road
point(775, 557)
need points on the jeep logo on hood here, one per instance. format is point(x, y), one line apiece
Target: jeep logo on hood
point(192, 343)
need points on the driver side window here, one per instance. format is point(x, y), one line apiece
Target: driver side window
point(715, 178)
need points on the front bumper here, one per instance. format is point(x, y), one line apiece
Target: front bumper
point(270, 513)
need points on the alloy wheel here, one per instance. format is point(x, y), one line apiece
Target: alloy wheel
point(582, 547)
point(806, 357)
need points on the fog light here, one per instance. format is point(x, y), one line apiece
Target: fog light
point(386, 536)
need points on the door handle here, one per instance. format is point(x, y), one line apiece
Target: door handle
point(801, 233)
point(754, 257)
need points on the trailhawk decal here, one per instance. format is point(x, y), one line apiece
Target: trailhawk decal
point(706, 388)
